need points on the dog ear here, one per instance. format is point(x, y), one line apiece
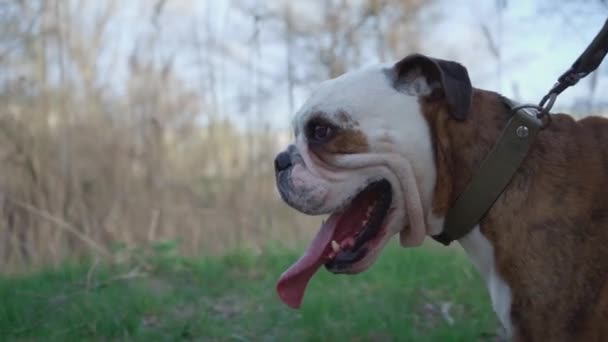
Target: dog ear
point(436, 79)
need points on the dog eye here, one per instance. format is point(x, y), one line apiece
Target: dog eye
point(322, 132)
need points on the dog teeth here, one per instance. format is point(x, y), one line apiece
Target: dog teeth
point(369, 210)
point(335, 246)
point(348, 243)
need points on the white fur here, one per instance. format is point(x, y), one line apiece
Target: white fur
point(481, 253)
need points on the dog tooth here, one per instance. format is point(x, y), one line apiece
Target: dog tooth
point(369, 211)
point(335, 246)
point(348, 243)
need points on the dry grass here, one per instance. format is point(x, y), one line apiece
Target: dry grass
point(113, 119)
point(81, 183)
point(69, 189)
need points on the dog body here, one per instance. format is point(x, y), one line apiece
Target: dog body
point(418, 129)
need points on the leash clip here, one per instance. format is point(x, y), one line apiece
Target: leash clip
point(586, 63)
point(545, 106)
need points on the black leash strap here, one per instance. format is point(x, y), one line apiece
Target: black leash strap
point(585, 64)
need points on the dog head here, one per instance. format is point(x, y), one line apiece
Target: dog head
point(363, 155)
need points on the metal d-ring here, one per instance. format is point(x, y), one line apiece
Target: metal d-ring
point(545, 106)
point(542, 115)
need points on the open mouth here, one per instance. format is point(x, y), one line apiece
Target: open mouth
point(359, 225)
point(343, 240)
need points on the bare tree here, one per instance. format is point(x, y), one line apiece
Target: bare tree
point(126, 134)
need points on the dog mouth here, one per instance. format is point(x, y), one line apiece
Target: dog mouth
point(343, 241)
point(353, 239)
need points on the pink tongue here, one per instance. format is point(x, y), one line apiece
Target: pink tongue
point(292, 283)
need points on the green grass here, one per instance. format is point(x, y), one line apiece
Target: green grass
point(232, 298)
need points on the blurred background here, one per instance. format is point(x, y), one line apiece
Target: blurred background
point(129, 124)
point(125, 122)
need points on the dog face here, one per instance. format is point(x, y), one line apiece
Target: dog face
point(363, 155)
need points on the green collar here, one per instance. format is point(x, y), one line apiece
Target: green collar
point(493, 176)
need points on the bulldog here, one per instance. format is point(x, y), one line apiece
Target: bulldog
point(387, 150)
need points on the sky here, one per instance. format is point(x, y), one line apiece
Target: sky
point(537, 42)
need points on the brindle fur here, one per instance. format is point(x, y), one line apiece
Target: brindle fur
point(549, 228)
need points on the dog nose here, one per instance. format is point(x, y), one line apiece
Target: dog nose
point(282, 161)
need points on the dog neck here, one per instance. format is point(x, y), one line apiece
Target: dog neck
point(459, 149)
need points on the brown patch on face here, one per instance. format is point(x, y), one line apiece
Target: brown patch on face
point(347, 142)
point(549, 228)
point(345, 137)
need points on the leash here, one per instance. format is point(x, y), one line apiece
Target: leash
point(505, 158)
point(585, 64)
